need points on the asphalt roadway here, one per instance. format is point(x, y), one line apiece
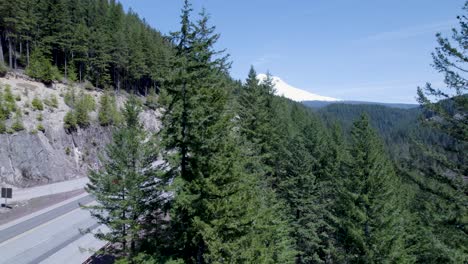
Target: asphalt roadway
point(38, 238)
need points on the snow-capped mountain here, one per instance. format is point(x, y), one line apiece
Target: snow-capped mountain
point(293, 93)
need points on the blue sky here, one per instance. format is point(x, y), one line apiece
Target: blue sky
point(355, 50)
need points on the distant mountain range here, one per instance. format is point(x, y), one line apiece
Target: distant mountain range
point(320, 104)
point(318, 101)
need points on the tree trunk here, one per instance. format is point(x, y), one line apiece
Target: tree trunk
point(15, 54)
point(27, 52)
point(65, 60)
point(124, 229)
point(10, 53)
point(81, 65)
point(184, 149)
point(2, 58)
point(200, 252)
point(134, 237)
point(118, 84)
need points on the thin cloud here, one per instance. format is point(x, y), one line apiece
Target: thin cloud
point(410, 32)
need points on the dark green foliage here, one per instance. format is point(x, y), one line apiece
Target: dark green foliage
point(128, 192)
point(369, 210)
point(37, 104)
point(256, 115)
point(397, 127)
point(284, 146)
point(439, 174)
point(422, 155)
point(219, 211)
point(393, 125)
point(253, 178)
point(87, 40)
point(299, 190)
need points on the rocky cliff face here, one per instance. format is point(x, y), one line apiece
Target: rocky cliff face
point(31, 157)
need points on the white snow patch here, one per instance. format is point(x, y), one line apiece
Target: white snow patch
point(293, 93)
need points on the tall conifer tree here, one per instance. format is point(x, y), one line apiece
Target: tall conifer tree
point(441, 199)
point(128, 188)
point(370, 228)
point(215, 205)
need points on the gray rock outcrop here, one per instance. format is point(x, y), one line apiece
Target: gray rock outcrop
point(30, 157)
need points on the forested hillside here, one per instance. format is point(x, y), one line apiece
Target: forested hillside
point(399, 128)
point(236, 174)
point(92, 40)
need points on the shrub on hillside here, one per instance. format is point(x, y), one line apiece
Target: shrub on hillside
point(2, 126)
point(37, 104)
point(18, 123)
point(70, 97)
point(84, 105)
point(69, 120)
point(3, 111)
point(40, 127)
point(8, 94)
point(88, 86)
point(51, 101)
point(108, 112)
point(41, 68)
point(152, 100)
point(7, 102)
point(3, 69)
point(71, 72)
point(88, 101)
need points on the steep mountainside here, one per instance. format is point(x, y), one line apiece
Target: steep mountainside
point(32, 157)
point(320, 104)
point(399, 128)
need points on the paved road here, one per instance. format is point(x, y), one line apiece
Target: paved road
point(48, 189)
point(44, 236)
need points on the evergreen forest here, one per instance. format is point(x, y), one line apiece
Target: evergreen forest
point(237, 174)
